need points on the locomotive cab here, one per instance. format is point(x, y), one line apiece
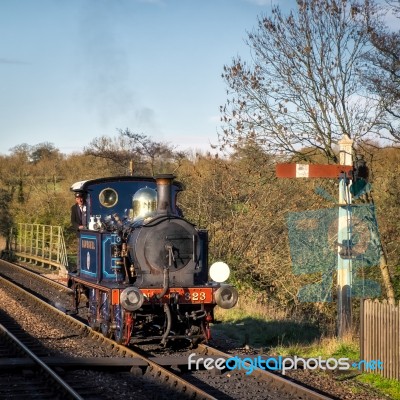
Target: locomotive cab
point(130, 214)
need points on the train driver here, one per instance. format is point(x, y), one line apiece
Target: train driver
point(78, 212)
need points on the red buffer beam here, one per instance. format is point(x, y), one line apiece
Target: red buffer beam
point(312, 170)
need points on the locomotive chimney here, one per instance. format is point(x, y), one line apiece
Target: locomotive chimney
point(164, 193)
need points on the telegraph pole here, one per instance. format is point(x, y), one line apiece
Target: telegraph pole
point(344, 257)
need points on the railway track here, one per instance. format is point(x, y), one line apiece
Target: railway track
point(32, 377)
point(114, 355)
point(195, 384)
point(275, 381)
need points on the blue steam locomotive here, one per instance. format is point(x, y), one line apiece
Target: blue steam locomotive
point(142, 267)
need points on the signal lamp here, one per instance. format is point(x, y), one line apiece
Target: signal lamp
point(219, 272)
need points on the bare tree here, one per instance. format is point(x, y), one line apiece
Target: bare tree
point(117, 151)
point(147, 155)
point(302, 89)
point(382, 76)
point(305, 87)
point(395, 5)
point(43, 150)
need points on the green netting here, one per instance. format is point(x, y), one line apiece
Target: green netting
point(314, 240)
point(310, 247)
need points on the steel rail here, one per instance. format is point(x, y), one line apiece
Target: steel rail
point(278, 380)
point(41, 364)
point(37, 275)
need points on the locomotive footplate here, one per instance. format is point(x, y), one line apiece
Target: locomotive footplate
point(190, 295)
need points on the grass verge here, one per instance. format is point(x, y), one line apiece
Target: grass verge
point(390, 387)
point(279, 337)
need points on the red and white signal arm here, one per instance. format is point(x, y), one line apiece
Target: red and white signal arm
point(312, 170)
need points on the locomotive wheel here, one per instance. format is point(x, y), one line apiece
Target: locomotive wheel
point(119, 333)
point(92, 310)
point(77, 290)
point(105, 316)
point(206, 330)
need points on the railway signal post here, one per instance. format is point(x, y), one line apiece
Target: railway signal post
point(344, 266)
point(344, 239)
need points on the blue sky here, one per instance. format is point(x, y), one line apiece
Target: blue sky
point(71, 71)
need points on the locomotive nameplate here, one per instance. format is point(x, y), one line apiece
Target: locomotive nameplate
point(88, 255)
point(184, 295)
